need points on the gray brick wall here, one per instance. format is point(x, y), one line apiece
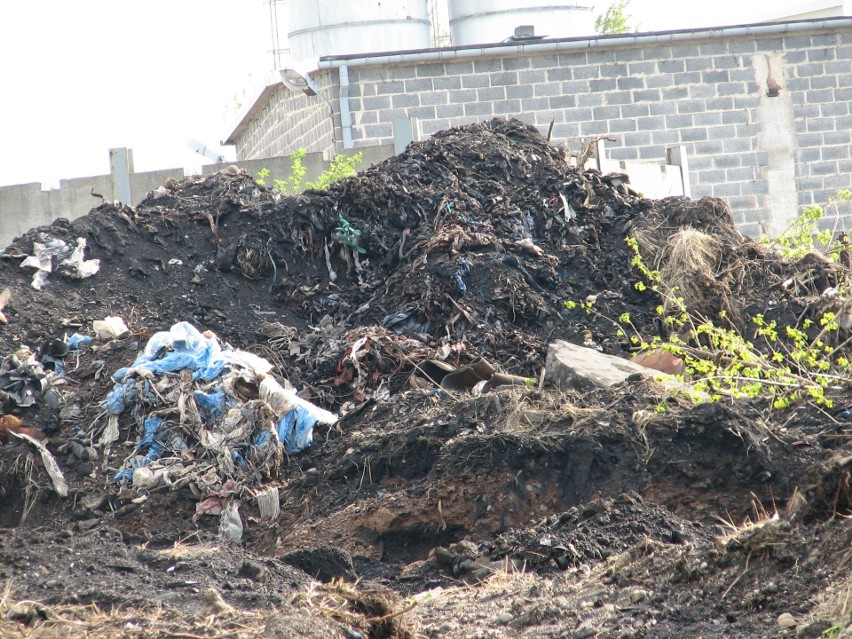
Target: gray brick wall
point(288, 122)
point(709, 95)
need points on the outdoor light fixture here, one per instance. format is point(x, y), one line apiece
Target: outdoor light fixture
point(299, 80)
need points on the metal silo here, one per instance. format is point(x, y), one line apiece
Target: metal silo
point(488, 21)
point(333, 27)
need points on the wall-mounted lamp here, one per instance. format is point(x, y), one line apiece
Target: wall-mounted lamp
point(299, 80)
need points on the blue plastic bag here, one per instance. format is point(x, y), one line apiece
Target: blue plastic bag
point(296, 430)
point(182, 347)
point(211, 405)
point(120, 397)
point(77, 341)
point(155, 448)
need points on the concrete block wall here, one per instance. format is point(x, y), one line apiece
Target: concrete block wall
point(289, 121)
point(313, 163)
point(24, 206)
point(767, 155)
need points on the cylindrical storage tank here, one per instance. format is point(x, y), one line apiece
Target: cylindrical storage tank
point(489, 21)
point(336, 27)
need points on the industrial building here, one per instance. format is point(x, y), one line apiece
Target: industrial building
point(761, 110)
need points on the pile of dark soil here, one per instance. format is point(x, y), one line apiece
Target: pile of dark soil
point(465, 246)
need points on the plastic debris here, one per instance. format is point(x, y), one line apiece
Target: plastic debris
point(22, 378)
point(60, 486)
point(109, 328)
point(78, 341)
point(230, 524)
point(211, 418)
point(462, 270)
point(53, 254)
point(268, 504)
point(478, 377)
point(184, 347)
point(52, 353)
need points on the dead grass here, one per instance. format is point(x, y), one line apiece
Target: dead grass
point(688, 262)
point(35, 620)
point(835, 604)
point(23, 468)
point(378, 614)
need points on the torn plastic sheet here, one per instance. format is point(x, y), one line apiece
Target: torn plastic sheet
point(121, 397)
point(214, 503)
point(230, 524)
point(184, 347)
point(296, 430)
point(295, 427)
point(22, 378)
point(78, 341)
point(149, 444)
point(51, 254)
point(109, 328)
point(212, 405)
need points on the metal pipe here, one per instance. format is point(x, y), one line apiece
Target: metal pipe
point(345, 113)
point(575, 44)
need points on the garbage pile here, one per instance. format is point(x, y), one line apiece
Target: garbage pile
point(206, 414)
point(445, 269)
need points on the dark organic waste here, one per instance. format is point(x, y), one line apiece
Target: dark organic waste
point(591, 513)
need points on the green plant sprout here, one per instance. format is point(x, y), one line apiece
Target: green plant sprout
point(804, 236)
point(788, 366)
point(342, 166)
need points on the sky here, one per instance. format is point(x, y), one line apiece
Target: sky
point(78, 77)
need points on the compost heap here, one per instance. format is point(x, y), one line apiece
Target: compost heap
point(349, 380)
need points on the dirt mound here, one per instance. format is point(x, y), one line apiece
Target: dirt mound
point(451, 261)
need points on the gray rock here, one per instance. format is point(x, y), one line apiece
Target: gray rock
point(569, 366)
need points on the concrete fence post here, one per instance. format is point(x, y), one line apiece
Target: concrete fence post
point(677, 156)
point(120, 168)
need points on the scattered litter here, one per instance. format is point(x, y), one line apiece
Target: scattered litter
point(22, 378)
point(51, 254)
point(109, 328)
point(230, 524)
point(50, 465)
point(478, 377)
point(77, 341)
point(268, 504)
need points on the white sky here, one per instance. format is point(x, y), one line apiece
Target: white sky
point(78, 77)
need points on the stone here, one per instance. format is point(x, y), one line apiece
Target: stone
point(569, 366)
point(786, 620)
point(505, 617)
point(638, 594)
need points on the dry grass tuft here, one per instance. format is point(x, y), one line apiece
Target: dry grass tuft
point(688, 261)
point(35, 620)
point(378, 614)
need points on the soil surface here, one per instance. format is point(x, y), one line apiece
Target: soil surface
point(427, 509)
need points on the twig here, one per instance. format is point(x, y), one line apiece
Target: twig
point(392, 615)
point(740, 576)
